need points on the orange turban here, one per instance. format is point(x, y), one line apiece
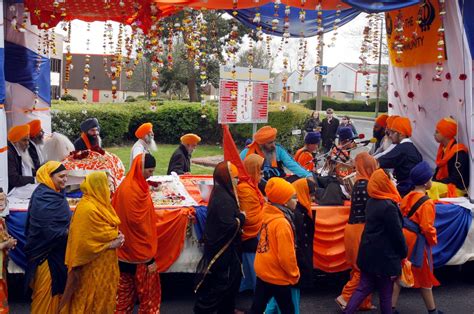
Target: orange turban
point(447, 127)
point(402, 125)
point(35, 127)
point(234, 171)
point(279, 191)
point(265, 134)
point(190, 139)
point(382, 120)
point(143, 130)
point(390, 120)
point(18, 132)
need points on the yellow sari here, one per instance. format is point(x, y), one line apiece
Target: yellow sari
point(93, 267)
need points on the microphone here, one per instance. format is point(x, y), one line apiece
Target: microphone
point(358, 137)
point(366, 142)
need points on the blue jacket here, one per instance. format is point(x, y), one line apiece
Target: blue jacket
point(287, 161)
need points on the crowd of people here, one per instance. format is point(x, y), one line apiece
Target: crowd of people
point(259, 227)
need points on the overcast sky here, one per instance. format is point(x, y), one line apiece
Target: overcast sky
point(347, 48)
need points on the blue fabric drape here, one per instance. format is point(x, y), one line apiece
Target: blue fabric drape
point(20, 67)
point(16, 223)
point(380, 5)
point(467, 8)
point(308, 28)
point(2, 76)
point(452, 224)
point(201, 214)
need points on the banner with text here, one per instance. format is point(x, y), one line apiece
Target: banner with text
point(415, 28)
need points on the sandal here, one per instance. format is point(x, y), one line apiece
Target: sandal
point(341, 303)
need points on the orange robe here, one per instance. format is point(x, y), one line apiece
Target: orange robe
point(424, 217)
point(305, 159)
point(251, 202)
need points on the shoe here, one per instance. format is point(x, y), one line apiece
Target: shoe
point(341, 303)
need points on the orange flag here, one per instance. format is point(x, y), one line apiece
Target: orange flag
point(232, 154)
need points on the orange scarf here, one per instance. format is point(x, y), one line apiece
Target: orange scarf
point(86, 140)
point(302, 192)
point(254, 148)
point(365, 165)
point(444, 155)
point(134, 206)
point(381, 187)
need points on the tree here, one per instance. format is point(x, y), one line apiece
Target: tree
point(261, 59)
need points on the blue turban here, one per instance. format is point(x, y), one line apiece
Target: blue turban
point(312, 138)
point(345, 133)
point(248, 142)
point(421, 173)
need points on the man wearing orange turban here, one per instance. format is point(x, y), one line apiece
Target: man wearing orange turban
point(21, 169)
point(451, 178)
point(403, 157)
point(36, 143)
point(180, 161)
point(381, 135)
point(146, 141)
point(276, 157)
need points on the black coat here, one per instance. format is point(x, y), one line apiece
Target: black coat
point(34, 155)
point(457, 176)
point(329, 131)
point(15, 177)
point(383, 245)
point(402, 158)
point(79, 144)
point(180, 161)
point(304, 229)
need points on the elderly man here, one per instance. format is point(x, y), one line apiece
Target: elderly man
point(276, 157)
point(146, 141)
point(90, 135)
point(329, 128)
point(21, 170)
point(379, 133)
point(36, 143)
point(403, 157)
point(180, 161)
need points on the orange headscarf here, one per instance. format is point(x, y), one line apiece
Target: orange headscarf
point(279, 190)
point(143, 130)
point(253, 164)
point(134, 207)
point(302, 192)
point(402, 125)
point(381, 187)
point(382, 120)
point(447, 127)
point(365, 165)
point(35, 127)
point(265, 134)
point(390, 120)
point(18, 132)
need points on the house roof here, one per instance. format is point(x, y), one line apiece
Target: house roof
point(355, 67)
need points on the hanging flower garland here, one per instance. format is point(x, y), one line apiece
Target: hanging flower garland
point(441, 40)
point(335, 27)
point(85, 78)
point(399, 36)
point(68, 66)
point(319, 38)
point(108, 33)
point(52, 42)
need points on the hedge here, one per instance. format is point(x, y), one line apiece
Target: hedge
point(353, 105)
point(171, 120)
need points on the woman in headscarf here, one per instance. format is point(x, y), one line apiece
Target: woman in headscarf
point(91, 254)
point(219, 271)
point(304, 234)
point(46, 238)
point(139, 278)
point(382, 247)
point(420, 233)
point(365, 165)
point(251, 202)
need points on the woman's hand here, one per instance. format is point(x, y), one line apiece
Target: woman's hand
point(8, 244)
point(118, 242)
point(152, 268)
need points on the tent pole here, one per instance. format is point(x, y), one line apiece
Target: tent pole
point(319, 91)
point(379, 70)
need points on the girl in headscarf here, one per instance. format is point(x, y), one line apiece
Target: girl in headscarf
point(304, 231)
point(251, 202)
point(46, 238)
point(382, 246)
point(219, 271)
point(91, 254)
point(420, 233)
point(275, 262)
point(365, 165)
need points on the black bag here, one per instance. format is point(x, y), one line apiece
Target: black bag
point(331, 195)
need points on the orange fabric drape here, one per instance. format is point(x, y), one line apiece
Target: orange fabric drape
point(136, 211)
point(329, 250)
point(302, 192)
point(171, 229)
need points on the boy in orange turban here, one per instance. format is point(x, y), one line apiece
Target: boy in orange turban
point(180, 161)
point(451, 178)
point(403, 157)
point(36, 143)
point(21, 169)
point(146, 141)
point(276, 157)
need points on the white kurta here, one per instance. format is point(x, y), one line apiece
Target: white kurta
point(39, 150)
point(140, 147)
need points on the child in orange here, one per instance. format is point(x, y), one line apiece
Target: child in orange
point(275, 262)
point(305, 155)
point(6, 243)
point(419, 216)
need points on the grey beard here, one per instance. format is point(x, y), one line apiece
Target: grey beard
point(152, 145)
point(269, 156)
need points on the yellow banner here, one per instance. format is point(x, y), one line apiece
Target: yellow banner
point(420, 34)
